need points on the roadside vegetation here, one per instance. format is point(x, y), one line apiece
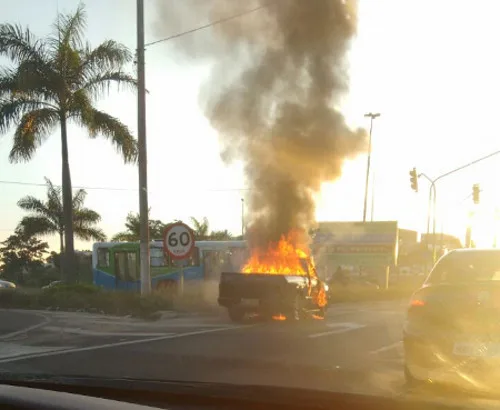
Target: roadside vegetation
point(87, 298)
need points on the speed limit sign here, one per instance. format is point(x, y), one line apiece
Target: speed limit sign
point(178, 240)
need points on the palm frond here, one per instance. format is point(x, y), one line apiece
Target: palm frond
point(78, 199)
point(89, 233)
point(29, 81)
point(13, 110)
point(100, 123)
point(32, 130)
point(54, 202)
point(37, 225)
point(125, 237)
point(99, 84)
point(31, 204)
point(107, 56)
point(86, 216)
point(19, 44)
point(71, 27)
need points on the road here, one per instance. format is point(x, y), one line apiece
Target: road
point(356, 349)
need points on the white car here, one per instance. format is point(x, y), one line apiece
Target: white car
point(7, 285)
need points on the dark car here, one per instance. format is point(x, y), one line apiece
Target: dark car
point(452, 329)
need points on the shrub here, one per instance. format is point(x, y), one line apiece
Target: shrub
point(88, 298)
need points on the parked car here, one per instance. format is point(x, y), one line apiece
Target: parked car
point(4, 284)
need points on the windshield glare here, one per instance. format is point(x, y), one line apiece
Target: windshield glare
point(252, 193)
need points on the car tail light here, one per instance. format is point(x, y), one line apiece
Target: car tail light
point(417, 302)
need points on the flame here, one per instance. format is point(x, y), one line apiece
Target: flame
point(282, 258)
point(279, 317)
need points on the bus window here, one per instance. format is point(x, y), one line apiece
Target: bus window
point(210, 262)
point(103, 258)
point(238, 258)
point(133, 271)
point(194, 259)
point(126, 268)
point(157, 258)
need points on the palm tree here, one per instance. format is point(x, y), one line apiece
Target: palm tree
point(224, 235)
point(200, 228)
point(133, 227)
point(46, 218)
point(55, 81)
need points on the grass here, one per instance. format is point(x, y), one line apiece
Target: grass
point(87, 298)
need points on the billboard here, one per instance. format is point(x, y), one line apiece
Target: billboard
point(368, 244)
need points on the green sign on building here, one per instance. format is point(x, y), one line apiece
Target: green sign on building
point(367, 244)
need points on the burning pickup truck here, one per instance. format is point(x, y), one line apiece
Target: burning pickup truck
point(280, 283)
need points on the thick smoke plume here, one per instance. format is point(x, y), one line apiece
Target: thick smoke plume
point(278, 78)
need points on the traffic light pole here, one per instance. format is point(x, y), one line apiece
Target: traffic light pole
point(433, 196)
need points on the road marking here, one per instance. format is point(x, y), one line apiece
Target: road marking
point(11, 350)
point(79, 331)
point(341, 328)
point(27, 329)
point(386, 348)
point(85, 332)
point(119, 344)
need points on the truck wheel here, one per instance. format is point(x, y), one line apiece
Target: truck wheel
point(296, 311)
point(321, 313)
point(236, 314)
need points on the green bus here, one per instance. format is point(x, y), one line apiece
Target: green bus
point(115, 265)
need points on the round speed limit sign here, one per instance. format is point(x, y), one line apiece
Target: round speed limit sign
point(178, 240)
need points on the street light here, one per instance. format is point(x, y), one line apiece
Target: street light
point(372, 116)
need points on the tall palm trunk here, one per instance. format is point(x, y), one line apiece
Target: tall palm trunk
point(61, 242)
point(68, 260)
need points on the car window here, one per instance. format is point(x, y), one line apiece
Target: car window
point(466, 267)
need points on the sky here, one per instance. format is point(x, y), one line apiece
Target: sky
point(429, 67)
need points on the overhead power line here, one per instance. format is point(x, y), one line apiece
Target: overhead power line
point(211, 24)
point(88, 188)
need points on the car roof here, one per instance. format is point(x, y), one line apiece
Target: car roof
point(474, 251)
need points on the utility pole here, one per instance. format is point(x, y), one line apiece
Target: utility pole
point(372, 117)
point(143, 160)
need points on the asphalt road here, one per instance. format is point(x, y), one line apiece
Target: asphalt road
point(356, 349)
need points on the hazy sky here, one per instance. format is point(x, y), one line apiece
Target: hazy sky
point(430, 67)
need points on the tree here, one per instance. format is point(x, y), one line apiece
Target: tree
point(200, 228)
point(132, 224)
point(21, 253)
point(47, 218)
point(55, 81)
point(224, 235)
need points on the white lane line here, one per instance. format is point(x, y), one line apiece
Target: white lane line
point(119, 344)
point(341, 328)
point(387, 347)
point(79, 331)
point(26, 329)
point(10, 350)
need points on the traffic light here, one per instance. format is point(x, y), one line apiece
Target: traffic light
point(414, 179)
point(475, 193)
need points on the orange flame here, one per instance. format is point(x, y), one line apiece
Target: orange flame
point(282, 258)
